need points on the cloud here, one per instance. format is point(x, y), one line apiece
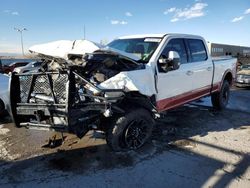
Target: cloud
point(15, 13)
point(197, 10)
point(169, 10)
point(247, 11)
point(129, 14)
point(118, 22)
point(237, 19)
point(123, 22)
point(114, 22)
point(174, 20)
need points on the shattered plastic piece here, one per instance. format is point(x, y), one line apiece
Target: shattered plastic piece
point(138, 80)
point(107, 113)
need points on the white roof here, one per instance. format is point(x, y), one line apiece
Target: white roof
point(142, 36)
point(159, 36)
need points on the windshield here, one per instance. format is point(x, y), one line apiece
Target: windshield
point(142, 47)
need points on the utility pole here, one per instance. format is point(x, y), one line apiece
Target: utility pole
point(21, 33)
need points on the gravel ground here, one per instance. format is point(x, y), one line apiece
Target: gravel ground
point(192, 146)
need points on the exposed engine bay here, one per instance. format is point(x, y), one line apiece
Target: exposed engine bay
point(102, 65)
point(97, 67)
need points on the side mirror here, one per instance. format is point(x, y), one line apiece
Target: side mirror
point(174, 59)
point(170, 63)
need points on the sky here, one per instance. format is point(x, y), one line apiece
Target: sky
point(221, 21)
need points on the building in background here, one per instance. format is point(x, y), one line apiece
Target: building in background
point(225, 49)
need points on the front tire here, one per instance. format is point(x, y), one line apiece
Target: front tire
point(220, 99)
point(130, 131)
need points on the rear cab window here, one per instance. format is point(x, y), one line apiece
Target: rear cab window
point(197, 50)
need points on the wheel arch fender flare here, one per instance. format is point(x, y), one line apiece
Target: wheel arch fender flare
point(134, 100)
point(228, 75)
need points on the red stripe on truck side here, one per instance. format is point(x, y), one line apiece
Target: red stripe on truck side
point(184, 98)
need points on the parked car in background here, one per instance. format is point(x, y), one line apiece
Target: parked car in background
point(9, 68)
point(30, 67)
point(243, 76)
point(4, 99)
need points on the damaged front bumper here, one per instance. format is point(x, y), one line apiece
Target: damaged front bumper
point(61, 101)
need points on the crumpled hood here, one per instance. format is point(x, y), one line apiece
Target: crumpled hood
point(62, 48)
point(245, 72)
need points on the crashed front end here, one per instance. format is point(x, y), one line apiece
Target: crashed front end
point(76, 98)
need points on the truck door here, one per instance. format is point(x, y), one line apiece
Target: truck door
point(174, 86)
point(202, 66)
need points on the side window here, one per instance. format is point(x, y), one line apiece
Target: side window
point(178, 46)
point(197, 50)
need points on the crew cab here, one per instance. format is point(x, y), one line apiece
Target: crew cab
point(122, 88)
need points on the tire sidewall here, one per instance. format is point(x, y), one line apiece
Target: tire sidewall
point(116, 136)
point(225, 88)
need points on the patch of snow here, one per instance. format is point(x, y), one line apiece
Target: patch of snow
point(4, 153)
point(4, 131)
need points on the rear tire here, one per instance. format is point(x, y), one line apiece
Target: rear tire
point(130, 131)
point(220, 99)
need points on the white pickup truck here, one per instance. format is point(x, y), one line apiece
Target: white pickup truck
point(122, 88)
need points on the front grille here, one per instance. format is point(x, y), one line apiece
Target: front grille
point(60, 87)
point(40, 84)
point(25, 83)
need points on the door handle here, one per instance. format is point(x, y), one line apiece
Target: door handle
point(189, 73)
point(209, 68)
